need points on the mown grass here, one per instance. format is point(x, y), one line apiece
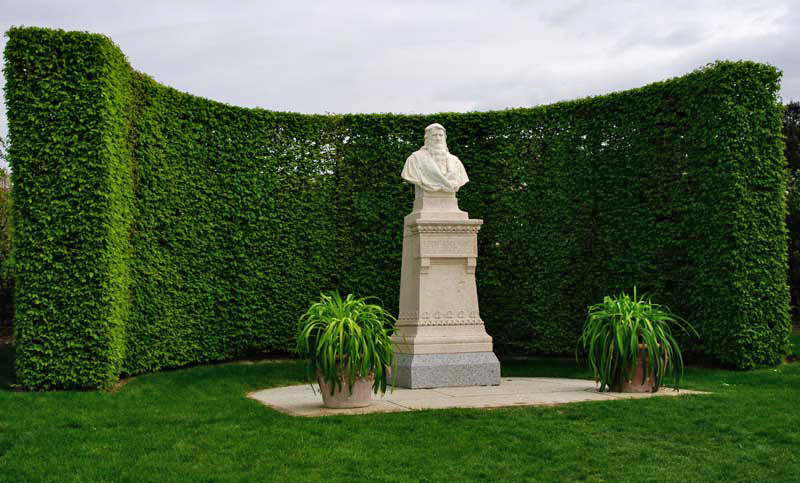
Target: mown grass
point(196, 425)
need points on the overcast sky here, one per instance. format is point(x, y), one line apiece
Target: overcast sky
point(423, 56)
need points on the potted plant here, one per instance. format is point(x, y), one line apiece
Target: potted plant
point(629, 344)
point(347, 345)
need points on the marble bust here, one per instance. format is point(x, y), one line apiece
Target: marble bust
point(432, 167)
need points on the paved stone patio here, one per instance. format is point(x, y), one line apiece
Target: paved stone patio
point(513, 391)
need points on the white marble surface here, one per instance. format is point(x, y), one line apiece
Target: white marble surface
point(432, 167)
point(439, 311)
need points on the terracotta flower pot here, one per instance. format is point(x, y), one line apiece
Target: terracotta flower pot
point(342, 397)
point(635, 384)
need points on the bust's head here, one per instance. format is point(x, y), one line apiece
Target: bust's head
point(435, 137)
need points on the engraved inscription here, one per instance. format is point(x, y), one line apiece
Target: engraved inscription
point(461, 246)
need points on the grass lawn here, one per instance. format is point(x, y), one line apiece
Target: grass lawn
point(196, 425)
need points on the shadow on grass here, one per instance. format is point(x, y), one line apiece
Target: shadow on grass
point(7, 377)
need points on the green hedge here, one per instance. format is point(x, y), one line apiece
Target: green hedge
point(791, 131)
point(6, 277)
point(68, 96)
point(158, 229)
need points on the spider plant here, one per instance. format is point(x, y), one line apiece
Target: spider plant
point(616, 332)
point(347, 339)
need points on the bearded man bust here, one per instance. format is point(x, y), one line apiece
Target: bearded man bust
point(432, 167)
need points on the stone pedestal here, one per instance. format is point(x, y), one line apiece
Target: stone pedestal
point(440, 339)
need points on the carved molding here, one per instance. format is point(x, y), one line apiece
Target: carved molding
point(438, 322)
point(415, 229)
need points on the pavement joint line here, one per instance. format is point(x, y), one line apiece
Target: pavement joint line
point(434, 389)
point(398, 404)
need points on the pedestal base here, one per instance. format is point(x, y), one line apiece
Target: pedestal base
point(422, 371)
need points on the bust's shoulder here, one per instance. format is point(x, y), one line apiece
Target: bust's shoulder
point(420, 153)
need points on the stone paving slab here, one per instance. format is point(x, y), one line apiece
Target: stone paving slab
point(302, 400)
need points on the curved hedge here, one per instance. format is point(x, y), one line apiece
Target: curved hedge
point(158, 229)
point(6, 277)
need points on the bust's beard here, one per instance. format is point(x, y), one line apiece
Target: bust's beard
point(439, 154)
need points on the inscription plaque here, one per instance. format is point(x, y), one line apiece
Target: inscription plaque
point(448, 246)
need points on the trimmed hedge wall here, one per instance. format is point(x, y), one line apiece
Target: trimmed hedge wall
point(67, 96)
point(791, 131)
point(157, 229)
point(6, 277)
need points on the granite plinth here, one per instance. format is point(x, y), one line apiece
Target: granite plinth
point(419, 371)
